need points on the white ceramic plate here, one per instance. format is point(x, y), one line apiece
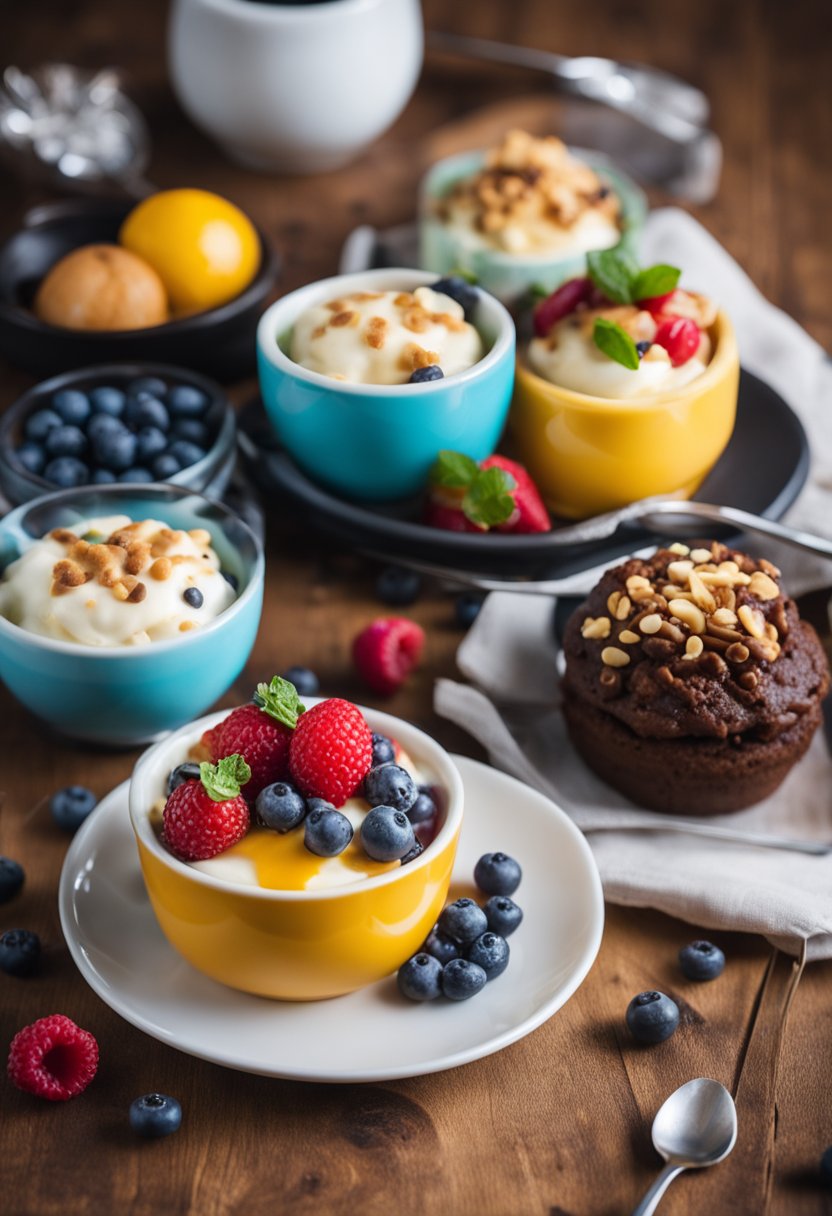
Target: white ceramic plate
point(371, 1035)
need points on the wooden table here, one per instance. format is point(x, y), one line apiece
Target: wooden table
point(558, 1123)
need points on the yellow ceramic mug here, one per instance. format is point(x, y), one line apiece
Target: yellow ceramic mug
point(589, 454)
point(296, 945)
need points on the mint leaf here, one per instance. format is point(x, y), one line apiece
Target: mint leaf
point(453, 469)
point(613, 272)
point(655, 281)
point(488, 500)
point(468, 276)
point(615, 343)
point(280, 701)
point(223, 780)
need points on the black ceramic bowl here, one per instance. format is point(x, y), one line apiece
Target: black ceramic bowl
point(208, 476)
point(219, 341)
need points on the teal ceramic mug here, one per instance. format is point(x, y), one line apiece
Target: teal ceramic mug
point(123, 695)
point(377, 442)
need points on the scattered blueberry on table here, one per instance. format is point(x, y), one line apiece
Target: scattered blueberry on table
point(491, 952)
point(463, 920)
point(146, 431)
point(441, 947)
point(155, 1115)
point(304, 680)
point(12, 876)
point(652, 1017)
point(19, 952)
point(497, 874)
point(397, 586)
point(462, 980)
point(701, 961)
point(71, 806)
point(420, 978)
point(467, 608)
point(503, 915)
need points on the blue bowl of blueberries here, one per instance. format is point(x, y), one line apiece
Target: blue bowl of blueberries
point(128, 423)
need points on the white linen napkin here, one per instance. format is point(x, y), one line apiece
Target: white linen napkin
point(512, 704)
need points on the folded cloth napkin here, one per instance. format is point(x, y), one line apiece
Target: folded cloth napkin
point(512, 709)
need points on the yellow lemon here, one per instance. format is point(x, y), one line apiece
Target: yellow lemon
point(204, 249)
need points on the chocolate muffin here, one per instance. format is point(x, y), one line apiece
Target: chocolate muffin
point(692, 685)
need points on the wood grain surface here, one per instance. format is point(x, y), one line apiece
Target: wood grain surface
point(559, 1123)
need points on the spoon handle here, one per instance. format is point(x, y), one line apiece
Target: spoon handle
point(653, 1197)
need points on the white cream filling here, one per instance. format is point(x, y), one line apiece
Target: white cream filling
point(535, 237)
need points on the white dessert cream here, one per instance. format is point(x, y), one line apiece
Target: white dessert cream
point(115, 582)
point(568, 357)
point(533, 198)
point(382, 337)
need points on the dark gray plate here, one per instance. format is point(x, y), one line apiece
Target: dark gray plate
point(762, 470)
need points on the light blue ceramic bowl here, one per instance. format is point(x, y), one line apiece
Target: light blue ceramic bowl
point(377, 442)
point(443, 250)
point(127, 695)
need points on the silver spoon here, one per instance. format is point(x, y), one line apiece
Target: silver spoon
point(695, 1127)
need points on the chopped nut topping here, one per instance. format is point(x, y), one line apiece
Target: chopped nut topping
point(614, 657)
point(161, 569)
point(701, 594)
point(724, 616)
point(650, 624)
point(763, 586)
point(688, 614)
point(679, 571)
point(749, 679)
point(138, 593)
point(753, 620)
point(347, 317)
point(700, 555)
point(678, 547)
point(596, 627)
point(693, 648)
point(628, 637)
point(737, 653)
point(376, 332)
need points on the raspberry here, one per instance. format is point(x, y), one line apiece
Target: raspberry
point(206, 817)
point(260, 733)
point(387, 651)
point(331, 751)
point(680, 337)
point(53, 1058)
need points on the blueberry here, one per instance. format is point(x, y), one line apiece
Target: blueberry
point(502, 914)
point(19, 952)
point(497, 874)
point(71, 806)
point(193, 430)
point(701, 961)
point(234, 584)
point(66, 471)
point(318, 804)
point(489, 951)
point(138, 474)
point(652, 1017)
point(465, 294)
point(462, 979)
point(11, 878)
point(193, 597)
point(642, 348)
point(189, 771)
point(150, 441)
point(467, 608)
point(411, 854)
point(108, 400)
point(65, 441)
point(280, 806)
point(397, 586)
point(165, 466)
point(103, 424)
point(155, 1115)
point(422, 375)
point(72, 405)
point(383, 750)
point(390, 785)
point(463, 920)
point(386, 834)
point(31, 456)
point(146, 411)
point(39, 424)
point(103, 477)
point(115, 448)
point(420, 978)
point(826, 1167)
point(304, 680)
point(423, 809)
point(185, 401)
point(186, 453)
point(441, 947)
point(151, 385)
point(326, 832)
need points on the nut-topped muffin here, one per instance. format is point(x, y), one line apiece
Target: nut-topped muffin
point(692, 685)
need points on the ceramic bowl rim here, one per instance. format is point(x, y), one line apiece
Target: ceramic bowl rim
point(287, 14)
point(124, 653)
point(280, 316)
point(148, 765)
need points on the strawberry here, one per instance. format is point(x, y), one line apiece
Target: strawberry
point(260, 732)
point(331, 751)
point(680, 337)
point(205, 817)
point(498, 493)
point(387, 651)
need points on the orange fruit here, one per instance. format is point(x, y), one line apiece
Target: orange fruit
point(102, 287)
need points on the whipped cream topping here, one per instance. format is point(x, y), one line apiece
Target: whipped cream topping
point(115, 582)
point(533, 198)
point(382, 337)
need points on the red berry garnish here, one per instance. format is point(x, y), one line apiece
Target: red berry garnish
point(53, 1058)
point(530, 514)
point(680, 337)
point(260, 733)
point(559, 304)
point(331, 751)
point(206, 817)
point(387, 651)
point(656, 304)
